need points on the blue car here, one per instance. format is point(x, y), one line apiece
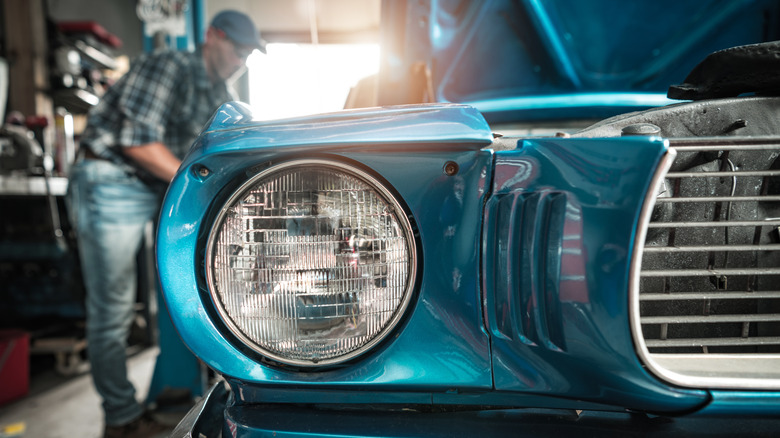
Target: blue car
point(532, 234)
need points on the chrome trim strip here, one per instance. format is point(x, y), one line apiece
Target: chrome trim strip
point(636, 262)
point(206, 417)
point(700, 377)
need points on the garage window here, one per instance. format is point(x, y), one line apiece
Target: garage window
point(298, 79)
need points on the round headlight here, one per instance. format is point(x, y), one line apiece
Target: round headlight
point(311, 262)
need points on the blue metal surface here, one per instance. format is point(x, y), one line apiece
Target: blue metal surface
point(559, 231)
point(449, 125)
point(567, 106)
point(175, 368)
point(502, 50)
point(441, 352)
point(521, 298)
point(289, 421)
point(556, 47)
point(522, 294)
point(743, 403)
point(199, 20)
point(442, 342)
point(303, 420)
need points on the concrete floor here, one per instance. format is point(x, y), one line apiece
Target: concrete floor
point(59, 407)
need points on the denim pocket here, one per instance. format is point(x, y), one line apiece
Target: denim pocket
point(104, 194)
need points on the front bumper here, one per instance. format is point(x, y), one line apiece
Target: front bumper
point(212, 417)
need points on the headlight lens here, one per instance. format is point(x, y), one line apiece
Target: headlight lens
point(311, 262)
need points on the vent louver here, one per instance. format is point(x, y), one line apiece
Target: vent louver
point(527, 276)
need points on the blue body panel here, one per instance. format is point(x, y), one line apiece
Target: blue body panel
point(441, 354)
point(450, 126)
point(304, 421)
point(743, 403)
point(506, 57)
point(559, 233)
point(519, 318)
point(556, 47)
point(442, 341)
point(567, 106)
point(522, 291)
point(285, 421)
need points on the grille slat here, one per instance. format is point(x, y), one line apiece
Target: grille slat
point(719, 145)
point(702, 248)
point(719, 199)
point(713, 224)
point(710, 319)
point(709, 296)
point(711, 261)
point(709, 272)
point(710, 342)
point(721, 174)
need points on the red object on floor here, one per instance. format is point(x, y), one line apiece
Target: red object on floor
point(14, 364)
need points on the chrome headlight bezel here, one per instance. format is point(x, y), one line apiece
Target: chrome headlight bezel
point(394, 205)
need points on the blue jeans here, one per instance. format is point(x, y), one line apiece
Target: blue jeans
point(109, 210)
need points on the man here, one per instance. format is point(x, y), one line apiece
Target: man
point(130, 150)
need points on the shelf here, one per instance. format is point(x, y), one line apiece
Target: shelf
point(17, 185)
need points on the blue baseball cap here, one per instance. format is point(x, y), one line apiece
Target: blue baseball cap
point(239, 28)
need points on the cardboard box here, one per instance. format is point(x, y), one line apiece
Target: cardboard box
point(14, 365)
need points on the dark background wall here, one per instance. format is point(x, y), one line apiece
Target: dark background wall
point(116, 16)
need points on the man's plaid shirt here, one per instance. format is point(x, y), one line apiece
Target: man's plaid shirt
point(165, 97)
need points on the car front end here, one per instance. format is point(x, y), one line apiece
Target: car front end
point(435, 270)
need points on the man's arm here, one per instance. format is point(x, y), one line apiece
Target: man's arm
point(156, 158)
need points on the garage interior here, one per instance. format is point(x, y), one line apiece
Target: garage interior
point(56, 58)
point(607, 71)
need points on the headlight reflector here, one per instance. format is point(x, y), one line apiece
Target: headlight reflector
point(311, 262)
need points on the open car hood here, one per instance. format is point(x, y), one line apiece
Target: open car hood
point(529, 59)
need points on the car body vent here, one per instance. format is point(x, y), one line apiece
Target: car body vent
point(530, 246)
point(709, 284)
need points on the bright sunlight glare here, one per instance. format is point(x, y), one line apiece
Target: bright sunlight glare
point(300, 79)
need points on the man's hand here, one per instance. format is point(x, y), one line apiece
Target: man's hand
point(155, 158)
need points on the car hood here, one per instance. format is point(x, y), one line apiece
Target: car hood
point(595, 58)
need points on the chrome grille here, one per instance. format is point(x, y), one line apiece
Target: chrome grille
point(710, 277)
